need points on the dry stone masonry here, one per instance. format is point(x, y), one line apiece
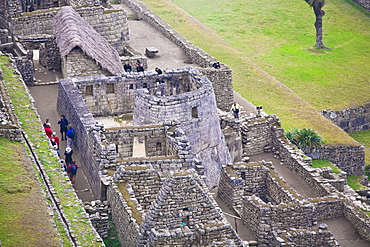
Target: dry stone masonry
point(191, 144)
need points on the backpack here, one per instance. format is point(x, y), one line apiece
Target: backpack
point(74, 169)
point(71, 133)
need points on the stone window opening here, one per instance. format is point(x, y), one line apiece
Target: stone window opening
point(110, 88)
point(145, 85)
point(243, 175)
point(159, 146)
point(185, 221)
point(89, 90)
point(131, 86)
point(194, 112)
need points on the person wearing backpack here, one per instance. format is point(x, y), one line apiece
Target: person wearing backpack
point(68, 156)
point(72, 171)
point(71, 133)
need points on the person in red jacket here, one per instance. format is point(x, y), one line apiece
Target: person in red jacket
point(72, 171)
point(47, 128)
point(54, 139)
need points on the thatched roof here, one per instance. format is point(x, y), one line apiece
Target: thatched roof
point(72, 31)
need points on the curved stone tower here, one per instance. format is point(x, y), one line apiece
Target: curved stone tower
point(187, 98)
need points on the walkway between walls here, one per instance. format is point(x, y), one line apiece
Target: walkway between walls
point(343, 231)
point(46, 103)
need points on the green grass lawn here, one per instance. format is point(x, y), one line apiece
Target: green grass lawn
point(252, 82)
point(279, 37)
point(364, 137)
point(24, 213)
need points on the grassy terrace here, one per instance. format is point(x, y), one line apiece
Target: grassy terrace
point(269, 46)
point(22, 204)
point(69, 202)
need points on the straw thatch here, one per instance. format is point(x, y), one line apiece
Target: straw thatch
point(72, 31)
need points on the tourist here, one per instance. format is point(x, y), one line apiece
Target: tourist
point(127, 67)
point(63, 122)
point(139, 66)
point(46, 123)
point(55, 139)
point(235, 108)
point(63, 165)
point(216, 65)
point(47, 128)
point(56, 150)
point(72, 171)
point(70, 135)
point(158, 70)
point(68, 155)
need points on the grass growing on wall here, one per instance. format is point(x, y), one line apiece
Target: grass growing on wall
point(325, 163)
point(249, 79)
point(32, 127)
point(354, 182)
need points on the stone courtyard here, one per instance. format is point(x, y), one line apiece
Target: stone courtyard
point(176, 168)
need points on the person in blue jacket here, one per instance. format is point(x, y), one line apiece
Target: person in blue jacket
point(63, 122)
point(70, 135)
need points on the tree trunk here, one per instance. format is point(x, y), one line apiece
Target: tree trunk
point(319, 13)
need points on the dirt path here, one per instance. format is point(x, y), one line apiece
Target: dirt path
point(46, 101)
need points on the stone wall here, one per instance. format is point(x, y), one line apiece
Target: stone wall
point(184, 206)
point(115, 95)
point(231, 130)
point(126, 225)
point(131, 56)
point(25, 67)
point(202, 237)
point(144, 180)
point(153, 136)
point(104, 103)
point(194, 108)
point(257, 134)
point(350, 159)
point(303, 238)
point(78, 64)
point(9, 127)
point(12, 8)
point(363, 3)
point(76, 3)
point(296, 161)
point(95, 152)
point(159, 163)
point(222, 85)
point(328, 207)
point(247, 179)
point(263, 219)
point(359, 220)
point(111, 24)
point(98, 212)
point(49, 55)
point(220, 78)
point(4, 36)
point(231, 188)
point(351, 120)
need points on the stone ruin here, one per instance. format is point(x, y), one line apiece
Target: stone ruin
point(190, 144)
